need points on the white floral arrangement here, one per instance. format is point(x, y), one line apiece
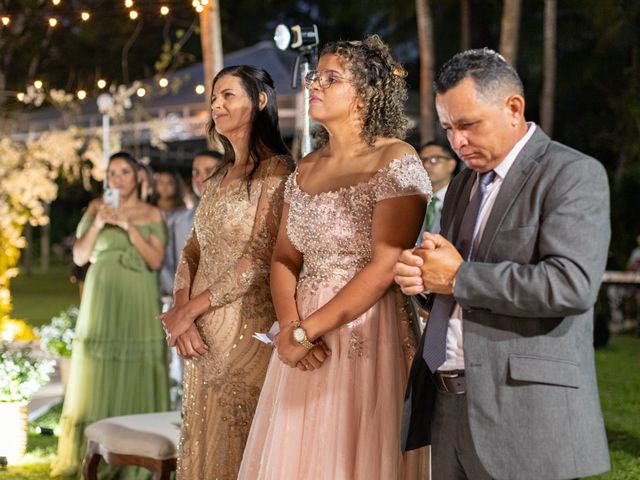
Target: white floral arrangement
point(23, 370)
point(56, 338)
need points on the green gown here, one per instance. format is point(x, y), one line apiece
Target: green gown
point(119, 359)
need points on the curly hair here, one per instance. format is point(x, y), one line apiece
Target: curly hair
point(379, 82)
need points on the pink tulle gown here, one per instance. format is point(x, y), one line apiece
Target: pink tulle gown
point(342, 421)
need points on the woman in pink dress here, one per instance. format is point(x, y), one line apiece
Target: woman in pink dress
point(331, 404)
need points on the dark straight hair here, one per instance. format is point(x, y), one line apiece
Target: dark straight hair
point(127, 157)
point(265, 136)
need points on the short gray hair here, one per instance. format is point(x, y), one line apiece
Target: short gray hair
point(489, 70)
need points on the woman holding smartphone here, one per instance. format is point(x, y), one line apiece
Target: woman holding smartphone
point(119, 359)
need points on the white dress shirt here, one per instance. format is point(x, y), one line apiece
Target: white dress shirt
point(455, 351)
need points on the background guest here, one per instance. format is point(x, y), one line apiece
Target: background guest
point(440, 163)
point(119, 360)
point(169, 193)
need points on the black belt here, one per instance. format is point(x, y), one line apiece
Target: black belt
point(452, 382)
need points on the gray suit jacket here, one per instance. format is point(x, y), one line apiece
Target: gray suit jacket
point(527, 304)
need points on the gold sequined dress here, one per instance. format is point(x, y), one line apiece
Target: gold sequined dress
point(342, 421)
point(228, 254)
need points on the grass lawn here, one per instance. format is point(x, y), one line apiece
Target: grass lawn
point(38, 297)
point(618, 365)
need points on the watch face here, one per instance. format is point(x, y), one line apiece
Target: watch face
point(299, 335)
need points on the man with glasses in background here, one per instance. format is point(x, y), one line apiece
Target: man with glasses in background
point(440, 163)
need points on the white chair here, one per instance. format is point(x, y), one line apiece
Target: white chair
point(147, 440)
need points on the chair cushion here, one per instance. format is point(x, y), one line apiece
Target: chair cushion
point(153, 435)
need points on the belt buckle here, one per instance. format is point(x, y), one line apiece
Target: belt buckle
point(449, 375)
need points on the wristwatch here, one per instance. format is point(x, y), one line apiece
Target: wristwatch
point(300, 336)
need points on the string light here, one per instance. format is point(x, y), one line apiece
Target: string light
point(200, 89)
point(141, 92)
point(195, 3)
point(38, 84)
point(85, 16)
point(199, 9)
point(20, 97)
point(102, 83)
point(163, 82)
point(128, 3)
point(53, 22)
point(81, 94)
point(164, 10)
point(55, 2)
point(204, 2)
point(133, 14)
point(6, 21)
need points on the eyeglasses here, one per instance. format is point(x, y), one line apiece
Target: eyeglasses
point(324, 79)
point(434, 159)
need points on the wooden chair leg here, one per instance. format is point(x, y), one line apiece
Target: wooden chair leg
point(166, 468)
point(91, 461)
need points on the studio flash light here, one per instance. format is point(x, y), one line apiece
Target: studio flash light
point(296, 37)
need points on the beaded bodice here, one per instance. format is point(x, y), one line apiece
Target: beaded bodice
point(333, 230)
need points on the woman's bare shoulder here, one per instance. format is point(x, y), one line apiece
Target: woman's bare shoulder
point(394, 149)
point(94, 206)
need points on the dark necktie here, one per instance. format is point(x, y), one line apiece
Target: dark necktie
point(435, 342)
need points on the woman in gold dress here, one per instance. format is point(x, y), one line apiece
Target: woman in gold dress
point(221, 288)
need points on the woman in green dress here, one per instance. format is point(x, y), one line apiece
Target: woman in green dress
point(119, 360)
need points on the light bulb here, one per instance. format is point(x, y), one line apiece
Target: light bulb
point(133, 14)
point(164, 10)
point(102, 83)
point(37, 84)
point(85, 16)
point(53, 22)
point(20, 97)
point(163, 82)
point(6, 21)
point(200, 89)
point(141, 92)
point(128, 3)
point(81, 94)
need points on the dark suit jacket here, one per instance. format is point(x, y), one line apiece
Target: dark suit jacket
point(527, 304)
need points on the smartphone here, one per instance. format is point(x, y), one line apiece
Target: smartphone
point(111, 197)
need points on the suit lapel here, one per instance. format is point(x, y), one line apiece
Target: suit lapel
point(522, 168)
point(450, 230)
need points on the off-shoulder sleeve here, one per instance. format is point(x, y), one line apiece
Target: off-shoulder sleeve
point(159, 230)
point(402, 177)
point(254, 263)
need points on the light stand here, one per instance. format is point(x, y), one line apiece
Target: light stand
point(105, 103)
point(305, 41)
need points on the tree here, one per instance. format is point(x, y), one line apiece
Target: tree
point(465, 24)
point(510, 30)
point(549, 67)
point(425, 42)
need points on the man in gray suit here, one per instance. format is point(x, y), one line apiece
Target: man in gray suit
point(503, 384)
